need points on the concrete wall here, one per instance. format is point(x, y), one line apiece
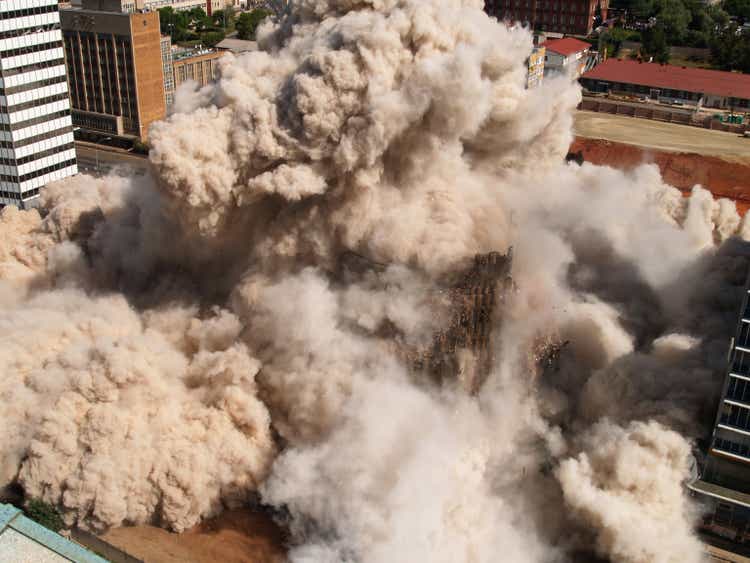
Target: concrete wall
point(103, 548)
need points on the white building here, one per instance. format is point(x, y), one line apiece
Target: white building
point(36, 133)
point(566, 56)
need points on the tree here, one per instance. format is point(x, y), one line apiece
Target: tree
point(655, 44)
point(44, 514)
point(211, 38)
point(738, 8)
point(673, 17)
point(248, 23)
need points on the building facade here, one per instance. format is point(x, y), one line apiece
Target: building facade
point(115, 69)
point(167, 71)
point(724, 482)
point(36, 136)
point(576, 17)
point(535, 63)
point(199, 65)
point(671, 84)
point(567, 56)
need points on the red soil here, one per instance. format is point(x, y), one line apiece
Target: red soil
point(723, 177)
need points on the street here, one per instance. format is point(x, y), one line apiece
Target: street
point(99, 159)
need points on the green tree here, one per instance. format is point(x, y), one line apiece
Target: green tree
point(174, 24)
point(44, 514)
point(211, 38)
point(655, 44)
point(248, 23)
point(673, 17)
point(738, 8)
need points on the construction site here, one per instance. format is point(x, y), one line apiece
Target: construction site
point(686, 156)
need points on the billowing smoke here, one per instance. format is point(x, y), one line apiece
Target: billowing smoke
point(251, 318)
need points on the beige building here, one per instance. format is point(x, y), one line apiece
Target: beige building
point(198, 65)
point(115, 68)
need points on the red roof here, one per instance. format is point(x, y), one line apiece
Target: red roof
point(654, 75)
point(566, 46)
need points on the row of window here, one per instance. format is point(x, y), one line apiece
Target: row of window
point(34, 103)
point(10, 195)
point(33, 66)
point(37, 173)
point(34, 121)
point(28, 30)
point(732, 447)
point(36, 155)
point(15, 195)
point(35, 11)
point(32, 85)
point(30, 49)
point(36, 138)
point(735, 416)
point(738, 390)
point(581, 8)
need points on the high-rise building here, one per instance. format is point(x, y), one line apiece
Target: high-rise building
point(115, 68)
point(36, 136)
point(561, 16)
point(724, 481)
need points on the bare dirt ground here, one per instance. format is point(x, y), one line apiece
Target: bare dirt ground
point(236, 536)
point(686, 156)
point(660, 136)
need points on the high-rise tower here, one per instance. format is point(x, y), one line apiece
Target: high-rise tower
point(36, 135)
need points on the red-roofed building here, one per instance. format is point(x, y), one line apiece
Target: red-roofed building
point(566, 56)
point(560, 16)
point(670, 83)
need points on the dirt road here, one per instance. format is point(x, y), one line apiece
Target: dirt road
point(661, 136)
point(236, 536)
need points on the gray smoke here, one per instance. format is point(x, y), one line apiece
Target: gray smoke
point(239, 321)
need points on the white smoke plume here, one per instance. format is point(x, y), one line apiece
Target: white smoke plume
point(241, 322)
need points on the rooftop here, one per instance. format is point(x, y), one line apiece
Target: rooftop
point(566, 46)
point(237, 45)
point(181, 53)
point(22, 539)
point(654, 75)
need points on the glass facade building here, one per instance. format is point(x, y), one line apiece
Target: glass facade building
point(36, 133)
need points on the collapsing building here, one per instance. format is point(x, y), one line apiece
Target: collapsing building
point(724, 482)
point(463, 350)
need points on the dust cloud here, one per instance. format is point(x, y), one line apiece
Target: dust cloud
point(241, 322)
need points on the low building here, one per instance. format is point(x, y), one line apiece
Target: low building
point(199, 65)
point(22, 539)
point(115, 68)
point(567, 56)
point(237, 46)
point(564, 16)
point(535, 63)
point(671, 84)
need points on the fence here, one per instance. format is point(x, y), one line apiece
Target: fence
point(645, 111)
point(101, 547)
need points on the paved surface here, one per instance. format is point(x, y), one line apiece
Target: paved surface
point(98, 159)
point(661, 136)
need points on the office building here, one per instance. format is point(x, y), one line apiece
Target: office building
point(199, 65)
point(724, 482)
point(115, 68)
point(671, 84)
point(576, 17)
point(36, 137)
